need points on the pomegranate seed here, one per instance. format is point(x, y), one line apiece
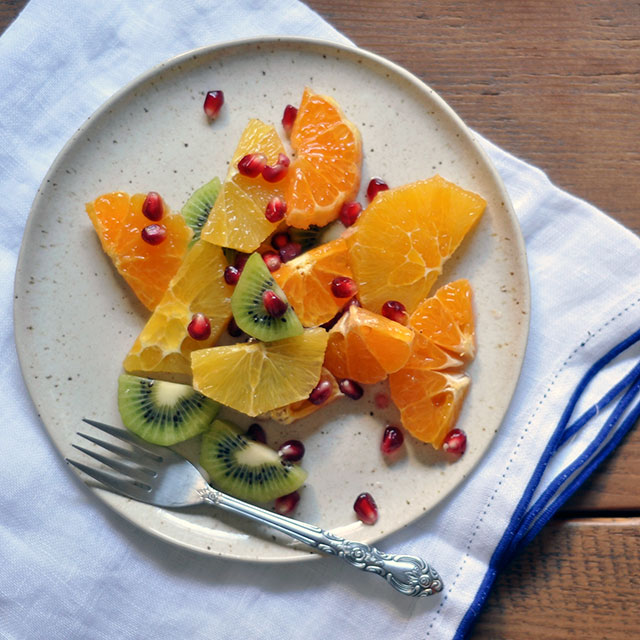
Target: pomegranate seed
point(233, 329)
point(231, 274)
point(382, 400)
point(366, 508)
point(395, 311)
point(291, 450)
point(252, 164)
point(152, 206)
point(284, 505)
point(455, 442)
point(274, 305)
point(213, 103)
point(154, 234)
point(321, 392)
point(288, 118)
point(343, 287)
point(240, 260)
point(280, 240)
point(276, 208)
point(256, 432)
point(349, 213)
point(376, 185)
point(199, 328)
point(392, 439)
point(351, 388)
point(290, 251)
point(276, 172)
point(272, 260)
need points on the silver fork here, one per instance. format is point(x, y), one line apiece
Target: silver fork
point(159, 476)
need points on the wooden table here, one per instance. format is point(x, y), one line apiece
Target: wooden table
point(558, 84)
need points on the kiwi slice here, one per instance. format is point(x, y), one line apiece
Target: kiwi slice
point(198, 207)
point(306, 238)
point(249, 310)
point(244, 468)
point(163, 412)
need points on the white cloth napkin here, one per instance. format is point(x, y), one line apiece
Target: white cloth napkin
point(73, 569)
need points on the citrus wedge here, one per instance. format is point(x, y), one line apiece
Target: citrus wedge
point(255, 377)
point(118, 220)
point(326, 171)
point(366, 347)
point(403, 238)
point(306, 281)
point(164, 345)
point(237, 219)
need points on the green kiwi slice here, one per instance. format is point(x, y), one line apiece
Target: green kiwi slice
point(249, 310)
point(198, 207)
point(163, 412)
point(306, 238)
point(245, 468)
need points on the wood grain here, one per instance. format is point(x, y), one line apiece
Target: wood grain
point(543, 597)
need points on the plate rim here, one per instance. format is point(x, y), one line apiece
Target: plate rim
point(301, 41)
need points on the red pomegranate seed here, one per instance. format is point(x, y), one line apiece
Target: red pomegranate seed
point(276, 172)
point(280, 240)
point(274, 305)
point(233, 329)
point(152, 206)
point(231, 274)
point(291, 450)
point(321, 392)
point(276, 208)
point(290, 251)
point(256, 432)
point(376, 185)
point(382, 400)
point(252, 164)
point(284, 505)
point(392, 439)
point(395, 311)
point(240, 260)
point(349, 213)
point(366, 508)
point(343, 287)
point(284, 159)
point(351, 388)
point(272, 260)
point(213, 103)
point(455, 442)
point(154, 234)
point(288, 118)
point(199, 328)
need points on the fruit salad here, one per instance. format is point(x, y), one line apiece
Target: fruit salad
point(306, 322)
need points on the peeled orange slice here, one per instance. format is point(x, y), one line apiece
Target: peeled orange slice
point(164, 345)
point(366, 347)
point(306, 281)
point(118, 220)
point(237, 219)
point(303, 408)
point(255, 377)
point(326, 171)
point(402, 239)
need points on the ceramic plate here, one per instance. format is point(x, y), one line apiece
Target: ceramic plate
point(76, 319)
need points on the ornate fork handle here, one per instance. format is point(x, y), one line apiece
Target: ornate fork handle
point(410, 575)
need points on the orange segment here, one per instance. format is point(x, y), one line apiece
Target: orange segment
point(365, 346)
point(118, 220)
point(306, 281)
point(303, 408)
point(430, 388)
point(429, 401)
point(164, 344)
point(402, 239)
point(237, 219)
point(326, 171)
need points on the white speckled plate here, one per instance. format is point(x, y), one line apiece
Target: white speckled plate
point(75, 318)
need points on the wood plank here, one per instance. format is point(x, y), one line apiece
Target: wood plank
point(555, 83)
point(578, 579)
